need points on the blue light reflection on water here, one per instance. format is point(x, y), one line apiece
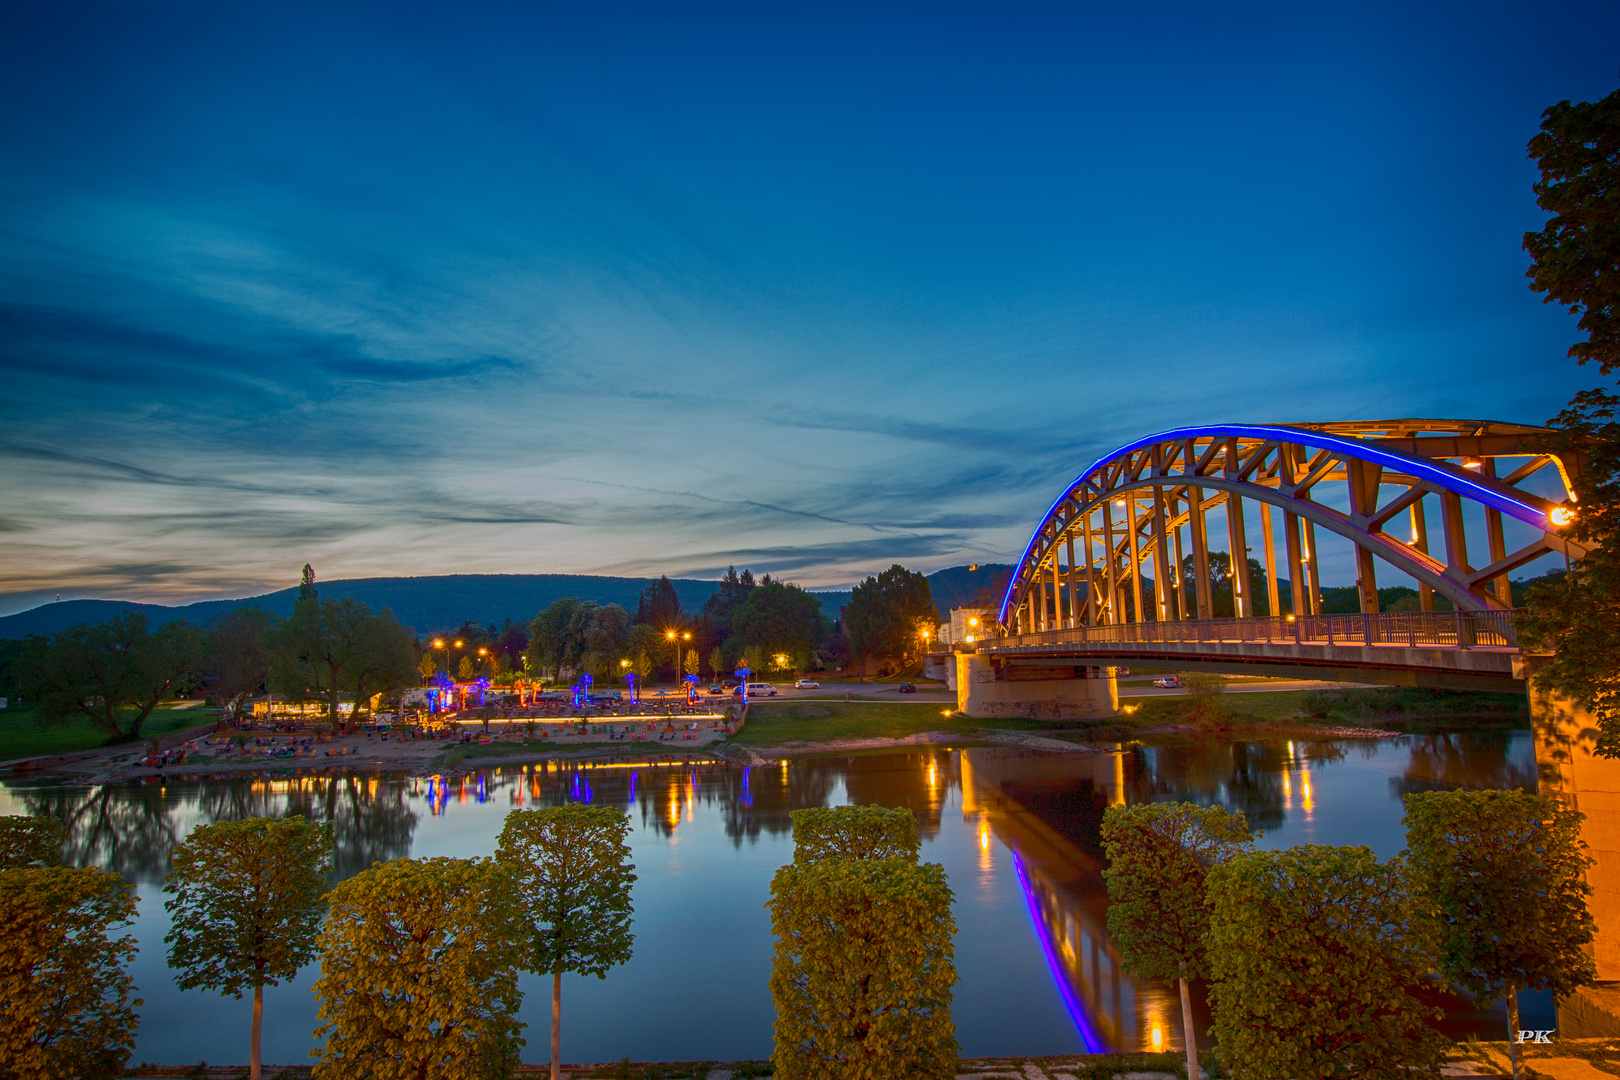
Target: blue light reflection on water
point(1015, 832)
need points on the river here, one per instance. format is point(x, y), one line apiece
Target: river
point(1015, 830)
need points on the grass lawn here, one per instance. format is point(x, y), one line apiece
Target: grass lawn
point(778, 722)
point(21, 736)
point(1397, 708)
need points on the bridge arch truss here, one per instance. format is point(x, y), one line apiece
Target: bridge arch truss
point(1112, 547)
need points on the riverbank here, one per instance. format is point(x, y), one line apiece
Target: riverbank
point(816, 724)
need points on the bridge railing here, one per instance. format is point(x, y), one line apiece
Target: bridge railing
point(1411, 629)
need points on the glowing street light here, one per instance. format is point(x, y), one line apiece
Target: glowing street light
point(677, 638)
point(1561, 516)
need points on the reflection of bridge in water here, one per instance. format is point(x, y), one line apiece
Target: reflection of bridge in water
point(1018, 799)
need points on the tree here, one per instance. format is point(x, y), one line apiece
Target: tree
point(330, 647)
point(571, 873)
point(733, 591)
point(1505, 880)
point(604, 640)
point(660, 606)
point(387, 660)
point(1575, 261)
point(238, 652)
point(548, 636)
point(1159, 858)
point(833, 650)
point(65, 1006)
point(1221, 585)
point(112, 674)
point(247, 902)
point(863, 970)
point(30, 841)
point(779, 619)
point(645, 646)
point(1575, 258)
point(842, 833)
point(1312, 951)
point(887, 614)
point(418, 974)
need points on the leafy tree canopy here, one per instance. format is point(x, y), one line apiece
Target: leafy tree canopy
point(828, 833)
point(1575, 257)
point(778, 618)
point(863, 971)
point(1576, 262)
point(332, 647)
point(419, 974)
point(1159, 855)
point(888, 613)
point(238, 653)
point(1505, 876)
point(65, 1004)
point(1286, 928)
point(112, 674)
point(30, 841)
point(571, 870)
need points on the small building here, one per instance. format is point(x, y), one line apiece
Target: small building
point(967, 625)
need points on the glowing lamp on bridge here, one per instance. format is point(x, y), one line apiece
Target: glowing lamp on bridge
point(1561, 515)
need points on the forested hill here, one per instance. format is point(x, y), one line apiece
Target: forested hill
point(431, 604)
point(426, 604)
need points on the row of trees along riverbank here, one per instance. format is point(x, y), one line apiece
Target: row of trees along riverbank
point(419, 957)
point(112, 675)
point(1312, 953)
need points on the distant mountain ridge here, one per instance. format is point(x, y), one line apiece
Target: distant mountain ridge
point(432, 604)
point(425, 604)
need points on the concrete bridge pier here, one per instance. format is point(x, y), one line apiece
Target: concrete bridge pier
point(1565, 734)
point(994, 687)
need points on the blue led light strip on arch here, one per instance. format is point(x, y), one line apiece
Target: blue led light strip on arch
point(1364, 450)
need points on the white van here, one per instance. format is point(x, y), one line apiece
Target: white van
point(758, 689)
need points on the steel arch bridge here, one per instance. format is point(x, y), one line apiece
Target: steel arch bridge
point(1111, 549)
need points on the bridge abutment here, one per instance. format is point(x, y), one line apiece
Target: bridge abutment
point(989, 688)
point(1565, 734)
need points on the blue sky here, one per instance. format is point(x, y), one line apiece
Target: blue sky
point(656, 289)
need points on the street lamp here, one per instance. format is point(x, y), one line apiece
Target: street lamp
point(677, 638)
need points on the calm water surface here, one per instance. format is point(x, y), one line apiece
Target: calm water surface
point(1016, 831)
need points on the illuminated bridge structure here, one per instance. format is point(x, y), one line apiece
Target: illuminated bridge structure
point(1102, 580)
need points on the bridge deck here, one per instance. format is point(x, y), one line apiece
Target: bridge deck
point(1459, 650)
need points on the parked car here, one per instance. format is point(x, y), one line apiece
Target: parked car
point(757, 689)
point(1169, 682)
point(607, 695)
point(907, 688)
point(714, 688)
point(807, 684)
